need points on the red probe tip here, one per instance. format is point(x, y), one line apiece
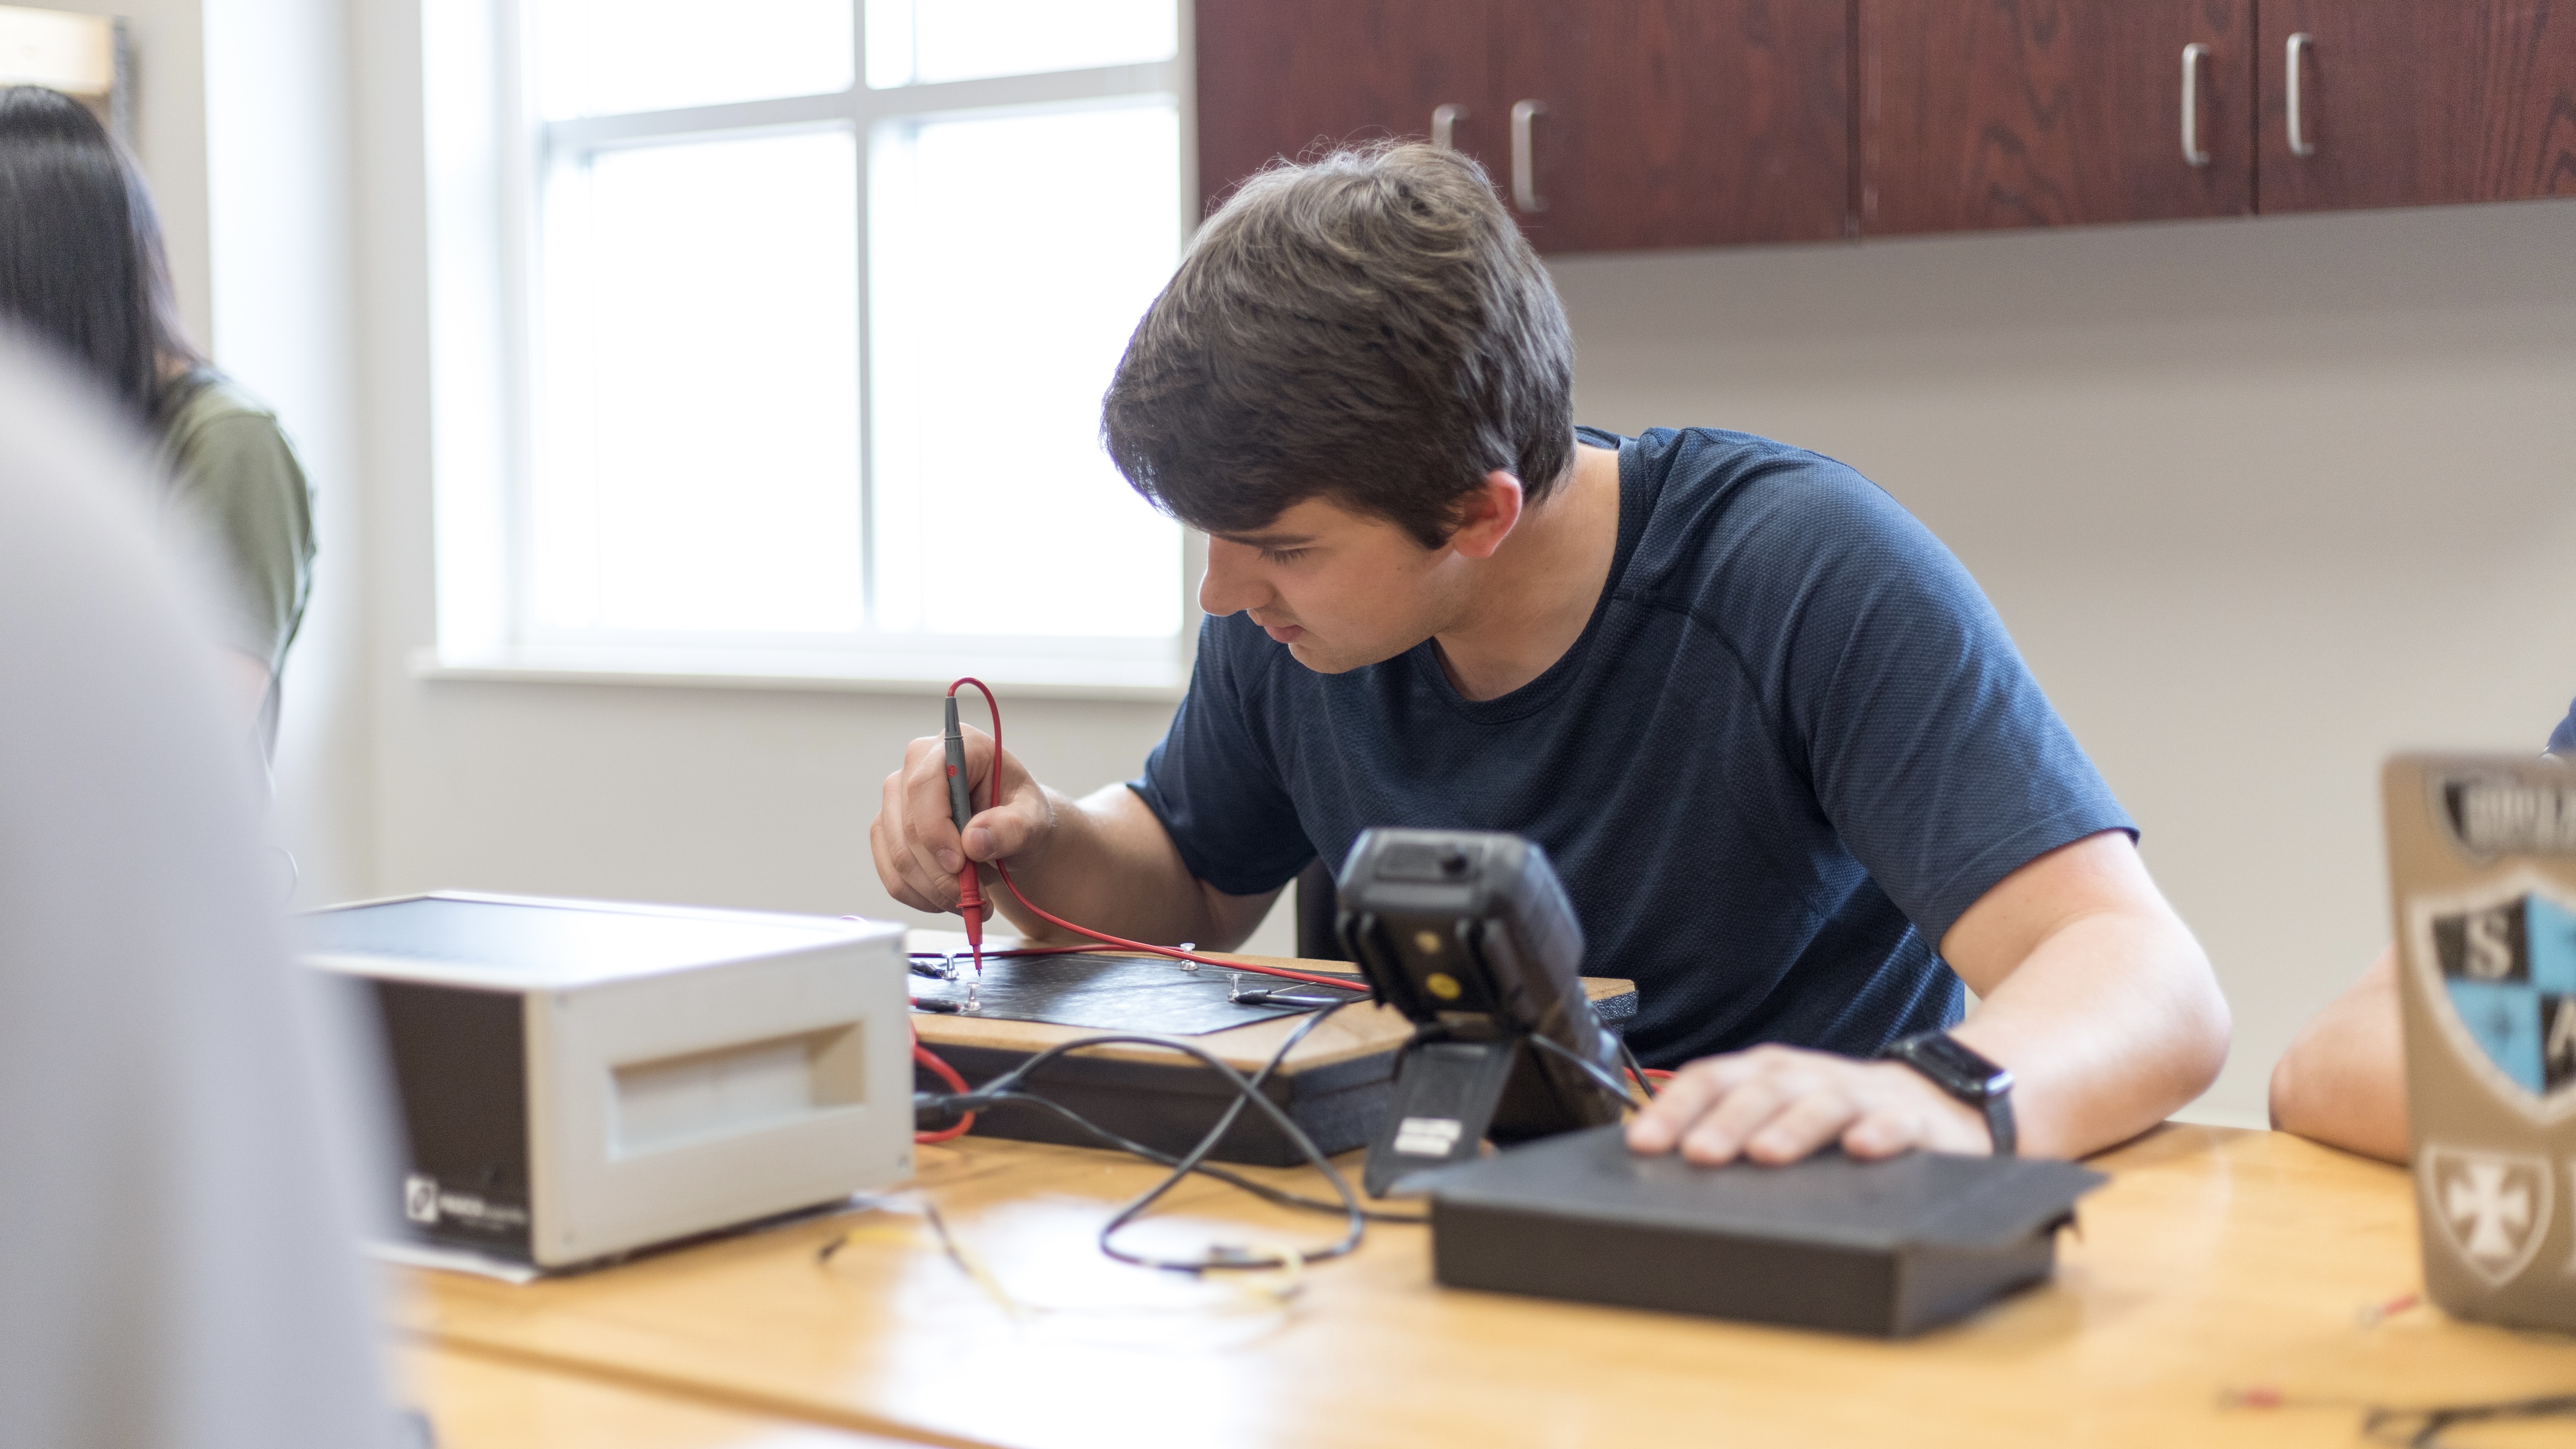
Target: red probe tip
point(970, 903)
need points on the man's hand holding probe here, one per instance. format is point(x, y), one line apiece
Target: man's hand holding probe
point(918, 849)
point(1103, 860)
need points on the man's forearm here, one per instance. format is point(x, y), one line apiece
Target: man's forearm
point(1109, 865)
point(2108, 1026)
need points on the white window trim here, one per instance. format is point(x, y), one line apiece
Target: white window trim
point(485, 153)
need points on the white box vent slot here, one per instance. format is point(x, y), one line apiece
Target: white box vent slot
point(701, 1096)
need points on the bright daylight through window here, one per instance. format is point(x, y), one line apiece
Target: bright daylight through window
point(825, 296)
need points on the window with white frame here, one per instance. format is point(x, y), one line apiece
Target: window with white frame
point(821, 301)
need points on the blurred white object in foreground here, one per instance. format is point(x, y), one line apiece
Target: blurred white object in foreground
point(178, 1261)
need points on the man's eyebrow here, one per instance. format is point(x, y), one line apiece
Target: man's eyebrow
point(1268, 540)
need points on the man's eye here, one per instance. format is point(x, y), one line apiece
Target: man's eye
point(1282, 555)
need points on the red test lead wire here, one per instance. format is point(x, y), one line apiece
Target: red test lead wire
point(956, 1083)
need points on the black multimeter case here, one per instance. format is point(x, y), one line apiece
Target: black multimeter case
point(1470, 935)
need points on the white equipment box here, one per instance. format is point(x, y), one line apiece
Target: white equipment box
point(581, 1079)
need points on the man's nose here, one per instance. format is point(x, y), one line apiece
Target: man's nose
point(1229, 586)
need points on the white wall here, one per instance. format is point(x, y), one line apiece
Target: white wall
point(278, 231)
point(2261, 501)
point(241, 127)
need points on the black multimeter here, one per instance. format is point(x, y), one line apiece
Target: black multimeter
point(1470, 935)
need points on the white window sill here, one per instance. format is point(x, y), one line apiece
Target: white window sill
point(1025, 677)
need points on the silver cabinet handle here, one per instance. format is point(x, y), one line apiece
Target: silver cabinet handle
point(1524, 186)
point(2192, 55)
point(1444, 126)
point(2299, 45)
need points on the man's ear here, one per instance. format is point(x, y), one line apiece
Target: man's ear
point(1487, 516)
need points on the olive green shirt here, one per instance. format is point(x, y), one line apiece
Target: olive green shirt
point(231, 466)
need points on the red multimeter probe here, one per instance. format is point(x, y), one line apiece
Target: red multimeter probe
point(961, 808)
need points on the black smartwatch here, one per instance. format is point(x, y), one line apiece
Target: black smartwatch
point(1964, 1075)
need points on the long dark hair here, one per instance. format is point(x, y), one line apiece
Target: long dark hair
point(81, 264)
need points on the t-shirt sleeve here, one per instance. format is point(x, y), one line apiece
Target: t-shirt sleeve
point(240, 479)
point(1214, 785)
point(1930, 747)
point(2562, 740)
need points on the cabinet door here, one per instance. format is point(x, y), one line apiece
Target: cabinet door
point(1276, 78)
point(2006, 113)
point(1666, 123)
point(2409, 102)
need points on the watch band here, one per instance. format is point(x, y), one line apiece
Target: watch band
point(1956, 1069)
point(1999, 1122)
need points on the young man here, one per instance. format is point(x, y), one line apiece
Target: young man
point(1777, 744)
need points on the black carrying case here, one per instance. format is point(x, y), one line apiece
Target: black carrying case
point(1886, 1248)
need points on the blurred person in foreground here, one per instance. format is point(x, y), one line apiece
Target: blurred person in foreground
point(180, 1265)
point(2343, 1081)
point(82, 270)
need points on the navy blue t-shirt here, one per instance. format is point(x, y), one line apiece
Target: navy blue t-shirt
point(1791, 747)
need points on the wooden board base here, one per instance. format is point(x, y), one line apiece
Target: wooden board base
point(1335, 1085)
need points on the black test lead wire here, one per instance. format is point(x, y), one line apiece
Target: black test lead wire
point(1599, 1075)
point(1005, 1088)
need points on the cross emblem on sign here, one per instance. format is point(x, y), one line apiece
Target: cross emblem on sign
point(2493, 1215)
point(2490, 1208)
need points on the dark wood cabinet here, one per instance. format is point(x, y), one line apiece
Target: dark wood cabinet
point(1607, 124)
point(1665, 123)
point(1617, 125)
point(2412, 103)
point(1275, 78)
point(2010, 113)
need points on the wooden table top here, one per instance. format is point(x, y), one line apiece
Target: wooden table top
point(479, 1402)
point(2214, 1260)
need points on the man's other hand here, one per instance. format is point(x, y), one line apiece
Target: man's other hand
point(918, 850)
point(1777, 1104)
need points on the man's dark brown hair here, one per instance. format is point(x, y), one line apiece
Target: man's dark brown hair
point(1369, 328)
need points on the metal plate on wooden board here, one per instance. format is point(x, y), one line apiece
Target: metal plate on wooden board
point(1112, 993)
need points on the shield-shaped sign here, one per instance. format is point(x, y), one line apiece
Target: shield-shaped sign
point(2500, 968)
point(2493, 1207)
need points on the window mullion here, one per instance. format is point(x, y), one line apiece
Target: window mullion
point(591, 132)
point(865, 147)
point(998, 92)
